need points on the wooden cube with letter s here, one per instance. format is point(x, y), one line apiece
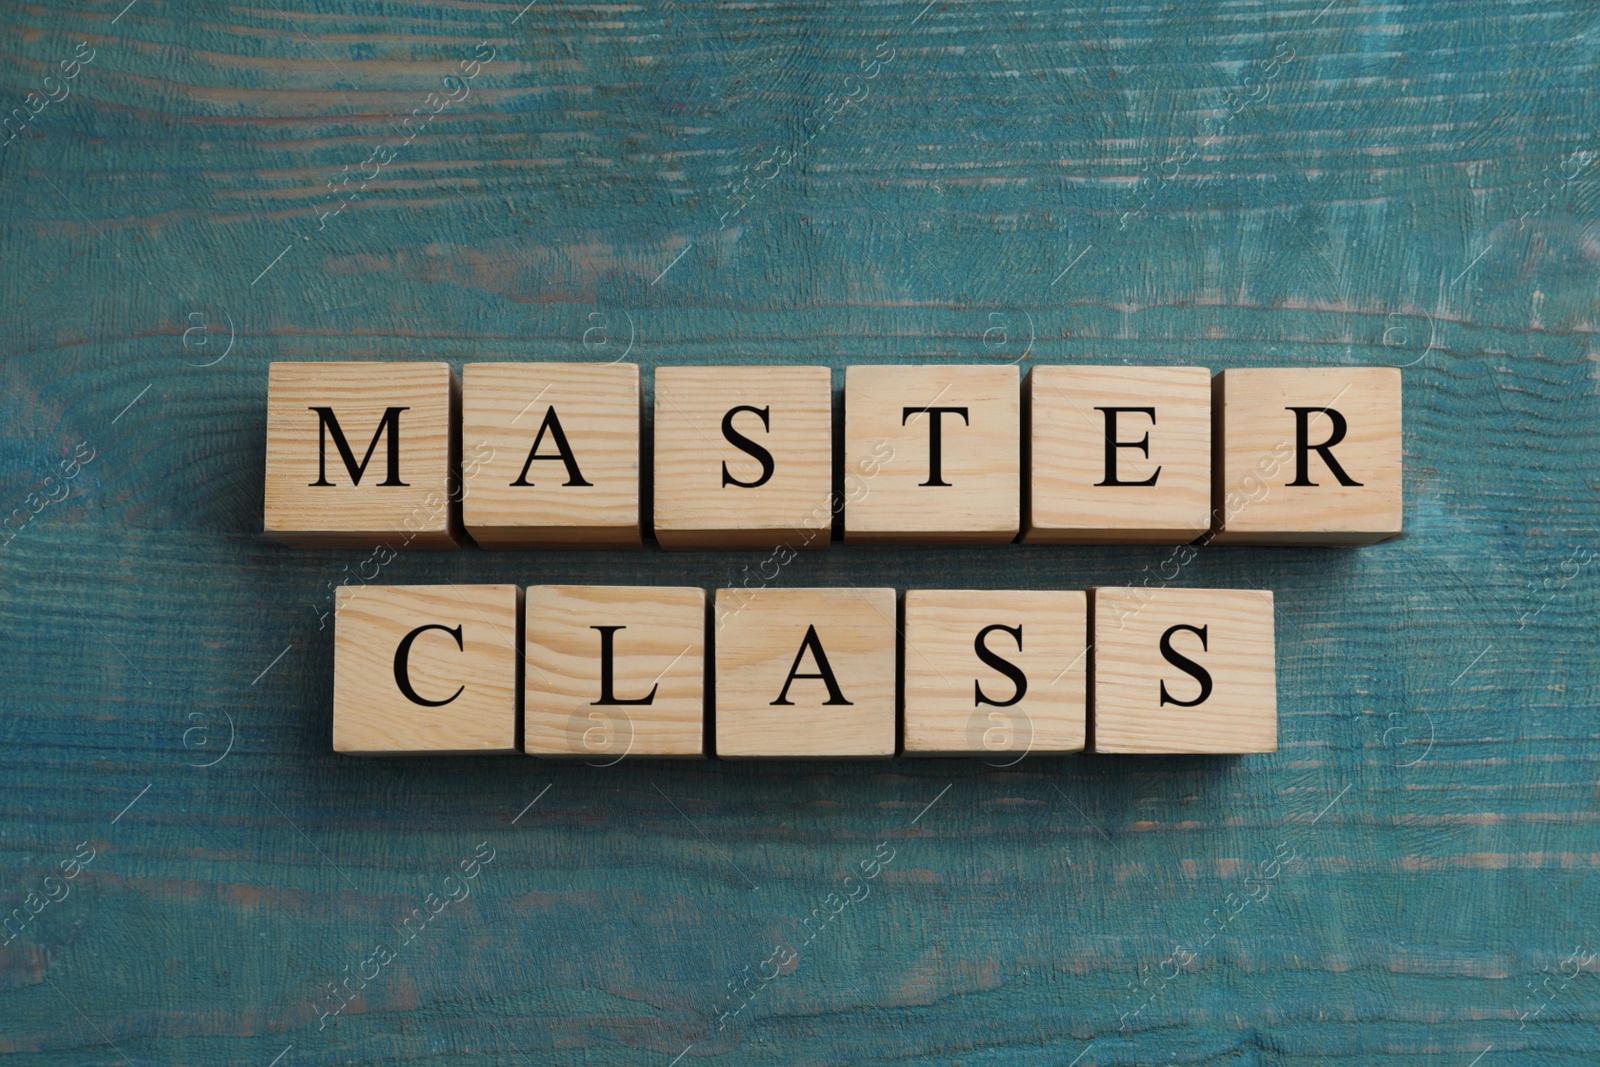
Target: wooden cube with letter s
point(425, 669)
point(1183, 671)
point(1307, 456)
point(614, 671)
point(805, 673)
point(550, 454)
point(359, 453)
point(743, 457)
point(995, 672)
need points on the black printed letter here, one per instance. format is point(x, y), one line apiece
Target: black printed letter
point(1004, 666)
point(1185, 664)
point(743, 443)
point(1112, 444)
point(402, 654)
point(824, 672)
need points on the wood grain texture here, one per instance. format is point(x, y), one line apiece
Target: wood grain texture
point(1043, 185)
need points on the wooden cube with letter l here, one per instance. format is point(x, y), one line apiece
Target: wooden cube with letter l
point(425, 669)
point(550, 454)
point(933, 454)
point(992, 673)
point(614, 671)
point(1118, 455)
point(360, 453)
point(805, 673)
point(1308, 456)
point(1183, 671)
point(743, 457)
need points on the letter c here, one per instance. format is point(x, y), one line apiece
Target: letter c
point(403, 653)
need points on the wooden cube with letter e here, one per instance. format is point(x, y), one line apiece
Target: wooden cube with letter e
point(614, 671)
point(1183, 671)
point(743, 457)
point(805, 673)
point(550, 454)
point(1308, 456)
point(933, 454)
point(995, 673)
point(1118, 455)
point(425, 669)
point(360, 453)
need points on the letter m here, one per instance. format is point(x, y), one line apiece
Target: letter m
point(328, 424)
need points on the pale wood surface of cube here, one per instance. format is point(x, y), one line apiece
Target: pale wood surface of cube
point(944, 673)
point(360, 514)
point(1256, 447)
point(1067, 446)
point(659, 652)
point(694, 507)
point(476, 680)
point(759, 635)
point(504, 407)
point(887, 455)
point(1240, 715)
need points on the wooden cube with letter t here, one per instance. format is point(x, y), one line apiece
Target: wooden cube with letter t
point(359, 453)
point(805, 673)
point(932, 454)
point(1183, 671)
point(425, 669)
point(743, 457)
point(995, 672)
point(1118, 455)
point(614, 671)
point(1308, 456)
point(550, 454)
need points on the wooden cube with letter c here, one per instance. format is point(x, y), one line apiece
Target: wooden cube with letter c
point(614, 671)
point(1183, 671)
point(550, 454)
point(805, 673)
point(932, 454)
point(992, 673)
point(1309, 456)
point(425, 669)
point(743, 457)
point(1118, 455)
point(360, 453)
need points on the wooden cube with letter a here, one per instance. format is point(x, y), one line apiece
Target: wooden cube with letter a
point(1183, 671)
point(550, 454)
point(933, 454)
point(805, 673)
point(1118, 455)
point(1308, 456)
point(425, 669)
point(995, 672)
point(614, 671)
point(360, 453)
point(743, 457)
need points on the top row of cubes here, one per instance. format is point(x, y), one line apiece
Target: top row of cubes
point(548, 455)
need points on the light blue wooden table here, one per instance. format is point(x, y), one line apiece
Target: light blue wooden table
point(193, 190)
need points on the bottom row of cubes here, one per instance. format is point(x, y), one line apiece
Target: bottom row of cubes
point(605, 672)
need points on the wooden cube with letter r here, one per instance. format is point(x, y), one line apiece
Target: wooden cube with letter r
point(805, 673)
point(995, 672)
point(614, 671)
point(1307, 455)
point(1183, 671)
point(550, 454)
point(361, 453)
point(425, 669)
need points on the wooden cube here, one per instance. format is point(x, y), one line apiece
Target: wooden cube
point(1307, 456)
point(743, 457)
point(933, 454)
point(1118, 455)
point(992, 673)
point(805, 673)
point(550, 454)
point(360, 453)
point(1183, 671)
point(614, 671)
point(425, 669)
